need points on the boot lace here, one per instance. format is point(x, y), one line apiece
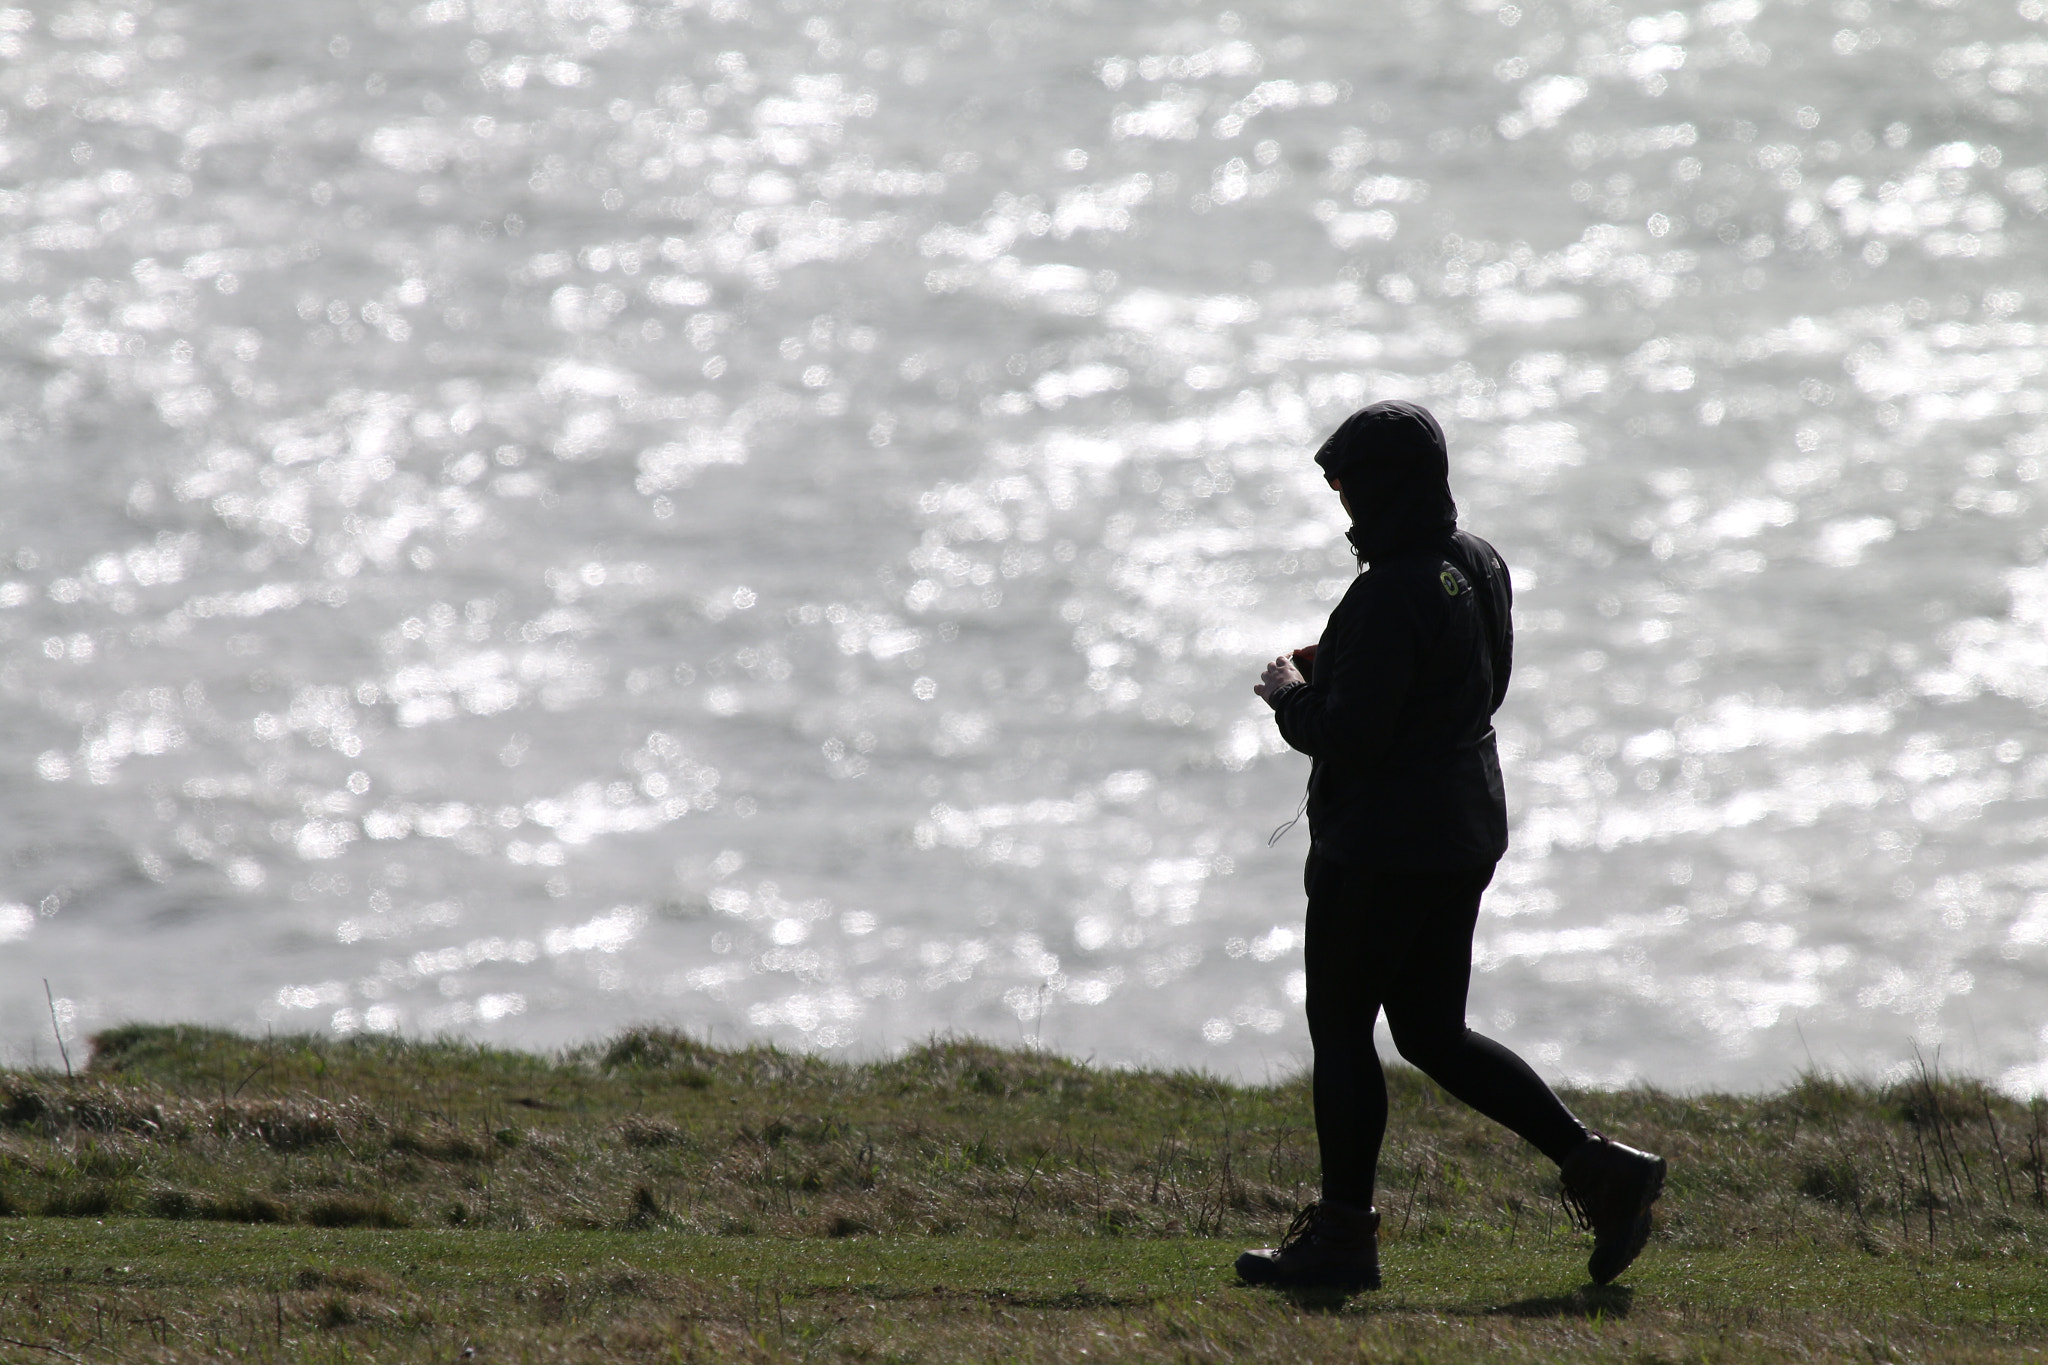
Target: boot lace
point(1302, 1228)
point(1575, 1202)
point(1575, 1208)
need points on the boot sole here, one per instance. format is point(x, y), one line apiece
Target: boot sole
point(1262, 1273)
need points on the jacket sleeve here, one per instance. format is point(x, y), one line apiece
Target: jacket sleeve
point(1364, 670)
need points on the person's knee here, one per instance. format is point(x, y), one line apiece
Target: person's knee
point(1327, 1021)
point(1427, 1044)
point(1334, 1016)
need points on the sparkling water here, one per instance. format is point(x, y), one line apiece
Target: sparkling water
point(528, 515)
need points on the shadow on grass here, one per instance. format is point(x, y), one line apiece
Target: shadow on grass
point(1605, 1301)
point(1588, 1301)
point(1323, 1300)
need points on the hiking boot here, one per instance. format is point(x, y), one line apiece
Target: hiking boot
point(1608, 1190)
point(1327, 1246)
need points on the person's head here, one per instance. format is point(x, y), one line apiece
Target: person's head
point(1389, 465)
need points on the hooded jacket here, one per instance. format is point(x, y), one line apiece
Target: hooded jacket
point(1398, 711)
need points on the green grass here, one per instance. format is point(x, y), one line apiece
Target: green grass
point(195, 1195)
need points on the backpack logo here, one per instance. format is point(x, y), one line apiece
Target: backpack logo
point(1453, 584)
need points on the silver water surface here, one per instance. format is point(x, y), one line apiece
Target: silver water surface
point(524, 515)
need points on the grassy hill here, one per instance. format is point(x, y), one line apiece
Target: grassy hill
point(195, 1194)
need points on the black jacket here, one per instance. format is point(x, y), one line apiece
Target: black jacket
point(1398, 710)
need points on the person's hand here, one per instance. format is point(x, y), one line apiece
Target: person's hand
point(1278, 674)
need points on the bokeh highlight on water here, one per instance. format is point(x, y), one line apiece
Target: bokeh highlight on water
point(525, 515)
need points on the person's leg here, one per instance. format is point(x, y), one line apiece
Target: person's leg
point(1334, 1243)
point(1425, 1004)
point(1340, 955)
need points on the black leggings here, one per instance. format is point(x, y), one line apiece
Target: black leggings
point(1403, 940)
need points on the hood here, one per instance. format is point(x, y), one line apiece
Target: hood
point(1396, 473)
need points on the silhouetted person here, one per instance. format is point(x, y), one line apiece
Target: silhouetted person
point(1407, 817)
